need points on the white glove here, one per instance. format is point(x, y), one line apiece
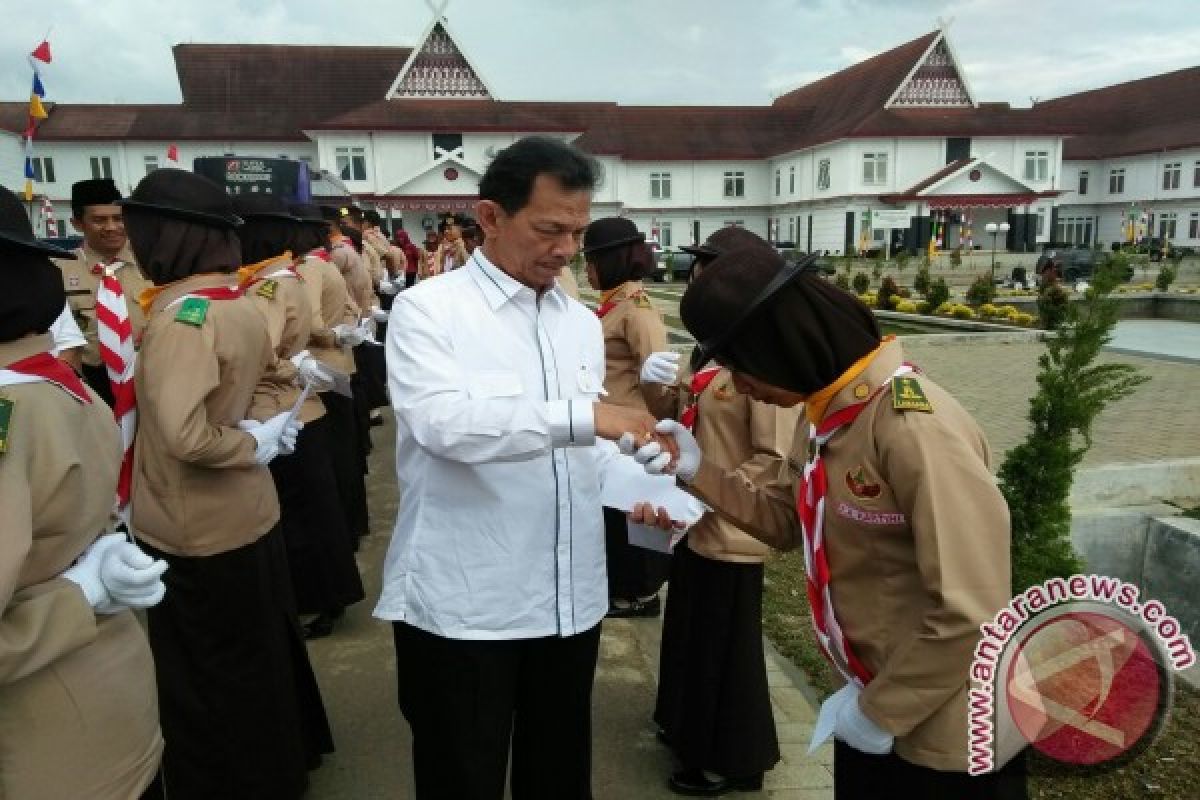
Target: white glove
point(85, 573)
point(379, 315)
point(855, 729)
point(661, 368)
point(313, 372)
point(133, 578)
point(655, 461)
point(349, 335)
point(274, 437)
point(388, 287)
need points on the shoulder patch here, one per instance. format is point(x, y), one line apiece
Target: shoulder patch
point(192, 311)
point(267, 289)
point(907, 395)
point(641, 300)
point(6, 409)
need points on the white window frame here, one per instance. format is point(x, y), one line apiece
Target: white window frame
point(1196, 175)
point(1083, 181)
point(101, 166)
point(1168, 222)
point(792, 178)
point(778, 180)
point(1041, 221)
point(348, 160)
point(735, 183)
point(1037, 165)
point(1116, 180)
point(823, 169)
point(1194, 225)
point(734, 223)
point(1172, 173)
point(660, 185)
point(664, 233)
point(875, 168)
point(791, 230)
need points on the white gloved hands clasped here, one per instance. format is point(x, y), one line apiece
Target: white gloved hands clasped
point(276, 436)
point(661, 367)
point(655, 460)
point(115, 574)
point(379, 315)
point(312, 372)
point(350, 335)
point(389, 287)
point(854, 728)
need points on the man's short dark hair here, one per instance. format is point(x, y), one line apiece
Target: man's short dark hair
point(509, 179)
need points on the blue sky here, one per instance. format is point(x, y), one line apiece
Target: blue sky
point(720, 52)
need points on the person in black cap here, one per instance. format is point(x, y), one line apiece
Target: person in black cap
point(241, 711)
point(76, 673)
point(321, 561)
point(105, 249)
point(638, 369)
point(891, 496)
point(723, 240)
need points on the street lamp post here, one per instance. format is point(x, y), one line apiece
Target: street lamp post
point(995, 230)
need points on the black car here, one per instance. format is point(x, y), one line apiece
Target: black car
point(65, 242)
point(672, 266)
point(1076, 263)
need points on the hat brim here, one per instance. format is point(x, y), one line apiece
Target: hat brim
point(34, 246)
point(283, 215)
point(185, 214)
point(641, 237)
point(699, 250)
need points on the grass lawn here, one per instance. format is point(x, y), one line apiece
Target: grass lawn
point(1169, 768)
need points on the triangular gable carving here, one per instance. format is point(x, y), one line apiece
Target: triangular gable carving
point(977, 177)
point(437, 69)
point(432, 179)
point(936, 81)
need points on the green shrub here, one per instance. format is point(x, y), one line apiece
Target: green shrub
point(922, 280)
point(1166, 276)
point(938, 292)
point(956, 257)
point(887, 290)
point(901, 258)
point(1052, 304)
point(841, 281)
point(981, 291)
point(861, 282)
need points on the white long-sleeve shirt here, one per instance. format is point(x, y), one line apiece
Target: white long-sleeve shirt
point(66, 333)
point(500, 533)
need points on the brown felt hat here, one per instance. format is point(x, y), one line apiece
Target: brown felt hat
point(609, 232)
point(183, 195)
point(731, 237)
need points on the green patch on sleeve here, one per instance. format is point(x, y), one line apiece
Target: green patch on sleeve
point(907, 395)
point(192, 311)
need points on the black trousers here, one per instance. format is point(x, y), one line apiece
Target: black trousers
point(468, 701)
point(97, 378)
point(633, 572)
point(859, 776)
point(349, 463)
point(409, 279)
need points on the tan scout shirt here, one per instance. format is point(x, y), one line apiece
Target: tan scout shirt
point(633, 329)
point(917, 537)
point(380, 249)
point(81, 285)
point(393, 257)
point(197, 490)
point(358, 280)
point(750, 439)
point(279, 295)
point(450, 256)
point(331, 306)
point(78, 707)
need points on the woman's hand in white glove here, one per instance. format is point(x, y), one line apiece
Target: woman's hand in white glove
point(389, 287)
point(313, 372)
point(349, 335)
point(379, 315)
point(133, 578)
point(85, 573)
point(855, 729)
point(274, 437)
point(658, 462)
point(661, 367)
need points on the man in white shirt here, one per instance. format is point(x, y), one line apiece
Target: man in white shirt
point(495, 580)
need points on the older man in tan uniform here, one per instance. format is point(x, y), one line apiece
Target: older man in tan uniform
point(105, 246)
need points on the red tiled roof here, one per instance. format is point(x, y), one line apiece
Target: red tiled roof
point(672, 133)
point(465, 115)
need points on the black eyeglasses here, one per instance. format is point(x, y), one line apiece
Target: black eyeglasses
point(706, 351)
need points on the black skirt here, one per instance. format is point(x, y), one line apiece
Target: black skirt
point(372, 374)
point(633, 572)
point(97, 378)
point(714, 705)
point(348, 462)
point(241, 712)
point(319, 553)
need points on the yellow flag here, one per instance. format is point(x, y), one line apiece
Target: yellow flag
point(28, 190)
point(36, 109)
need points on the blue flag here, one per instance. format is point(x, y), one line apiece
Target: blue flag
point(29, 168)
point(38, 89)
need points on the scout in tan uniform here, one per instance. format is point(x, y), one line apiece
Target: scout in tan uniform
point(330, 342)
point(320, 558)
point(451, 252)
point(914, 537)
point(714, 704)
point(241, 712)
point(78, 711)
point(617, 259)
point(98, 219)
point(348, 261)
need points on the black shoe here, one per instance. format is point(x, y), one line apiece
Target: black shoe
point(627, 609)
point(694, 783)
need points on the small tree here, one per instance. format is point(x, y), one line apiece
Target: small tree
point(922, 280)
point(841, 281)
point(877, 270)
point(887, 290)
point(938, 293)
point(956, 258)
point(861, 282)
point(981, 291)
point(901, 258)
point(1166, 276)
point(1036, 475)
point(1052, 304)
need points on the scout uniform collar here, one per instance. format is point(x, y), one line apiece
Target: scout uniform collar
point(817, 404)
point(879, 365)
point(156, 298)
point(91, 257)
point(249, 272)
point(619, 293)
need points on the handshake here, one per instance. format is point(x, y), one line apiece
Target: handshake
point(114, 574)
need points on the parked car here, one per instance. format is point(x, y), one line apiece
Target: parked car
point(65, 242)
point(671, 265)
point(1076, 263)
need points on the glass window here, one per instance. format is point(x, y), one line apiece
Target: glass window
point(1037, 165)
point(664, 234)
point(151, 163)
point(875, 168)
point(791, 230)
point(1196, 176)
point(735, 184)
point(43, 169)
point(792, 178)
point(1116, 181)
point(1041, 221)
point(1194, 225)
point(660, 185)
point(823, 173)
point(101, 167)
point(447, 144)
point(1083, 181)
point(1166, 224)
point(1171, 174)
point(777, 182)
point(351, 163)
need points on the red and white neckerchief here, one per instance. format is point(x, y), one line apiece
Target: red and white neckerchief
point(47, 368)
point(213, 293)
point(114, 332)
point(810, 506)
point(700, 382)
point(321, 253)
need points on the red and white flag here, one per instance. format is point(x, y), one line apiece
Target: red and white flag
point(173, 153)
point(48, 218)
point(115, 335)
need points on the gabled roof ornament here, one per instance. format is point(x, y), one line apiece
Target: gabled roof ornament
point(437, 69)
point(936, 80)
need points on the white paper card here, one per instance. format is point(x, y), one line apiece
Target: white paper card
point(654, 539)
point(625, 488)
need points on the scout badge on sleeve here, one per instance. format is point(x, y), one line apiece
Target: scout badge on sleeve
point(907, 395)
point(192, 311)
point(6, 409)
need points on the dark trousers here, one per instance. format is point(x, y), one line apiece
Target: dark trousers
point(859, 776)
point(468, 701)
point(633, 572)
point(409, 279)
point(97, 378)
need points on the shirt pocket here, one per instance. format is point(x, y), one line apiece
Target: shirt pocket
point(588, 383)
point(494, 383)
